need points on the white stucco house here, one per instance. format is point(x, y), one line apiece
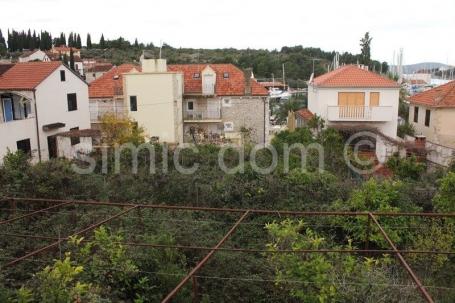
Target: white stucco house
point(38, 101)
point(35, 55)
point(353, 97)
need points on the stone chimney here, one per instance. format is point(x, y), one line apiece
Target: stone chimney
point(248, 74)
point(151, 65)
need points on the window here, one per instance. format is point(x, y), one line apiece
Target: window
point(75, 140)
point(8, 109)
point(133, 103)
point(374, 99)
point(416, 114)
point(196, 75)
point(427, 117)
point(226, 102)
point(62, 76)
point(226, 75)
point(72, 102)
point(190, 105)
point(24, 146)
point(228, 126)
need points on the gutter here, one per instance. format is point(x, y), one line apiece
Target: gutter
point(37, 126)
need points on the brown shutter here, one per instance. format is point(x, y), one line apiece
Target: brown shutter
point(374, 99)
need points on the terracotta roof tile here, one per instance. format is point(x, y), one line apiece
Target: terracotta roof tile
point(232, 86)
point(353, 76)
point(27, 75)
point(440, 96)
point(305, 113)
point(108, 85)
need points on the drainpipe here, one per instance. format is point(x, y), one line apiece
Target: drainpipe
point(37, 126)
point(265, 118)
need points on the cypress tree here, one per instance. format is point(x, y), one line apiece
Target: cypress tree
point(78, 41)
point(89, 41)
point(2, 43)
point(102, 42)
point(71, 59)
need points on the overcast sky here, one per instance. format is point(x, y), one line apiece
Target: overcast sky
point(425, 29)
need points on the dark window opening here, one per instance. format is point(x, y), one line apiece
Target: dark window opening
point(416, 114)
point(72, 102)
point(52, 147)
point(427, 117)
point(24, 146)
point(190, 105)
point(133, 103)
point(75, 140)
point(62, 76)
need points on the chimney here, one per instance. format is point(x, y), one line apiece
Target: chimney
point(248, 74)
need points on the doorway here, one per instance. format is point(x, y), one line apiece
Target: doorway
point(52, 147)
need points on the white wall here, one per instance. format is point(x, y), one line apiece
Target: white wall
point(52, 105)
point(319, 99)
point(38, 55)
point(13, 131)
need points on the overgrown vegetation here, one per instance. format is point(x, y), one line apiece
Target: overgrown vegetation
point(103, 268)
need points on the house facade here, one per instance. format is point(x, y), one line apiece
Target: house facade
point(222, 103)
point(36, 55)
point(154, 100)
point(106, 94)
point(39, 100)
point(351, 96)
point(432, 114)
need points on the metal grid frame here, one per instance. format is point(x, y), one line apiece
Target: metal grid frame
point(127, 207)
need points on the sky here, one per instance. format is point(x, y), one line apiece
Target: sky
point(424, 29)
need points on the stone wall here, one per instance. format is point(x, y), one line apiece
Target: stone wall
point(249, 112)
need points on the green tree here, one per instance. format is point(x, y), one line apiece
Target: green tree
point(365, 49)
point(71, 58)
point(89, 41)
point(102, 43)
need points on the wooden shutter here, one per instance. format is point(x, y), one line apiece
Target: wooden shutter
point(374, 99)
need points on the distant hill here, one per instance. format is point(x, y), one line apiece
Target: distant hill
point(412, 68)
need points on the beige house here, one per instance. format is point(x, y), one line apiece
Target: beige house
point(222, 103)
point(353, 97)
point(216, 103)
point(432, 113)
point(106, 94)
point(154, 99)
point(35, 55)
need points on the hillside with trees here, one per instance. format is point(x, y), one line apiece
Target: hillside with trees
point(298, 60)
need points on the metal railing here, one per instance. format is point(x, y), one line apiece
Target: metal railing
point(97, 114)
point(202, 114)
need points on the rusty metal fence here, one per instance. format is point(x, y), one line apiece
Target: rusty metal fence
point(243, 214)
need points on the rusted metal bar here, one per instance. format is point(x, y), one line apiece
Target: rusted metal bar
point(34, 213)
point(58, 242)
point(405, 264)
point(247, 250)
point(169, 297)
point(195, 298)
point(242, 210)
point(368, 231)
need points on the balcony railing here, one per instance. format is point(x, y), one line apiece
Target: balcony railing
point(360, 113)
point(97, 114)
point(202, 115)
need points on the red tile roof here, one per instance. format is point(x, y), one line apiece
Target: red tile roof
point(232, 86)
point(305, 113)
point(353, 76)
point(27, 75)
point(440, 96)
point(108, 85)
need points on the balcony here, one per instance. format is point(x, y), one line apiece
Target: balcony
point(202, 115)
point(96, 114)
point(360, 113)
